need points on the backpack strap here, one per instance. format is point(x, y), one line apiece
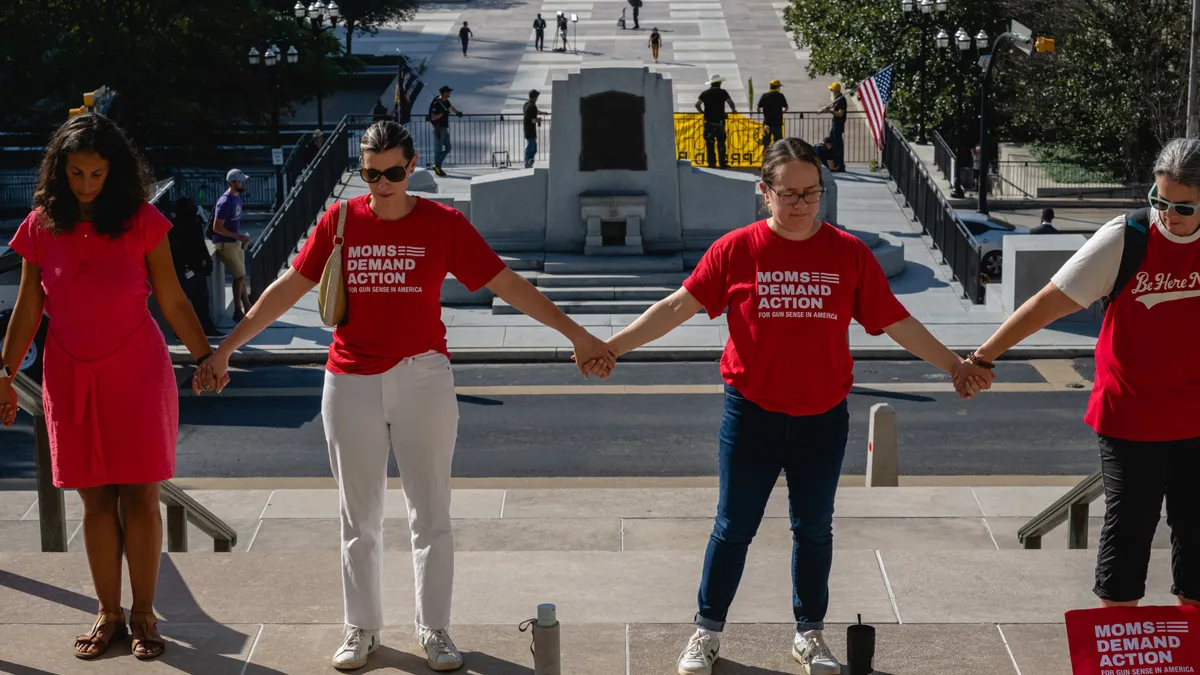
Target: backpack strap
point(1137, 238)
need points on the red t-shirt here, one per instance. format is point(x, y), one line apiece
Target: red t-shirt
point(790, 305)
point(393, 273)
point(1147, 380)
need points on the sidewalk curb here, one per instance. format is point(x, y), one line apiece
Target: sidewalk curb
point(296, 357)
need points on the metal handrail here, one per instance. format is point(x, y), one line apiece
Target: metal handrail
point(1071, 507)
point(181, 508)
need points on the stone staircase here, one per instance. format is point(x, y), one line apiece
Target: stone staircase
point(581, 284)
point(933, 568)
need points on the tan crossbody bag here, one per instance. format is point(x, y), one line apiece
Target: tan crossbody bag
point(331, 295)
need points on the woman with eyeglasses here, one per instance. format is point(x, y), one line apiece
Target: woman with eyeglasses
point(790, 285)
point(388, 379)
point(1145, 269)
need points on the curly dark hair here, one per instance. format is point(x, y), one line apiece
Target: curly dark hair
point(125, 189)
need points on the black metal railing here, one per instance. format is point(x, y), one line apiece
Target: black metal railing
point(943, 156)
point(1042, 180)
point(52, 513)
point(1072, 508)
point(16, 193)
point(302, 205)
point(959, 249)
point(481, 140)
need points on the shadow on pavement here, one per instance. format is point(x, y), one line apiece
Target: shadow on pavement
point(915, 278)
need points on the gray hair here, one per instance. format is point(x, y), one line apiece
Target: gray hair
point(1179, 161)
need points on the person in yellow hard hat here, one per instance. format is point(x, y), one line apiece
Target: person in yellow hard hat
point(837, 132)
point(772, 105)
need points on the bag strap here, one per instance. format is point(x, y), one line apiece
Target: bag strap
point(338, 238)
point(1137, 238)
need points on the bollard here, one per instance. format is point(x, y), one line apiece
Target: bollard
point(882, 465)
point(547, 656)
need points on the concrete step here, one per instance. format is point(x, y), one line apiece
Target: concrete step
point(521, 261)
point(584, 306)
point(652, 293)
point(561, 263)
point(668, 279)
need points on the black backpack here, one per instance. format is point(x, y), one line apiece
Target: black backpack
point(1137, 237)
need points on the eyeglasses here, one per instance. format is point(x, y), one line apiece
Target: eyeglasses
point(793, 198)
point(1160, 204)
point(396, 174)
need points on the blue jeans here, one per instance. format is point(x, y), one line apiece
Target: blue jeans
point(756, 445)
point(441, 137)
point(530, 150)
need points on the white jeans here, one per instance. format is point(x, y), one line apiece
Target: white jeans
point(413, 409)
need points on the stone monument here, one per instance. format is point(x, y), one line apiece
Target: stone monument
point(613, 185)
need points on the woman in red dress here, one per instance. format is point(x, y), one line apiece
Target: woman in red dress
point(93, 251)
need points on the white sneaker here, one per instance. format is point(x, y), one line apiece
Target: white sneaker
point(355, 649)
point(811, 651)
point(700, 655)
point(440, 652)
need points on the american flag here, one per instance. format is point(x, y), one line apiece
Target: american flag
point(874, 93)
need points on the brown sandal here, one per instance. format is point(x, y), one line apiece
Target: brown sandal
point(152, 648)
point(93, 638)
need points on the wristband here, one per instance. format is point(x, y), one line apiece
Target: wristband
point(204, 358)
point(974, 359)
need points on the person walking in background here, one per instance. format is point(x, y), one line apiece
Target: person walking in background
point(637, 6)
point(837, 131)
point(230, 242)
point(439, 116)
point(772, 105)
point(539, 33)
point(532, 120)
point(655, 43)
point(787, 370)
point(1047, 224)
point(193, 263)
point(108, 388)
point(1143, 266)
point(388, 381)
point(711, 104)
point(464, 36)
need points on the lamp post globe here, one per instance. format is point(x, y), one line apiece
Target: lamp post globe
point(926, 6)
point(253, 56)
point(943, 39)
point(334, 12)
point(941, 5)
point(300, 10)
point(293, 56)
point(963, 39)
point(982, 39)
point(906, 6)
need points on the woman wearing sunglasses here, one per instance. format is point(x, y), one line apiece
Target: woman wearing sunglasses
point(388, 379)
point(1145, 399)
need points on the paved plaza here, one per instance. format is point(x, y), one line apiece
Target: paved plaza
point(740, 40)
point(935, 569)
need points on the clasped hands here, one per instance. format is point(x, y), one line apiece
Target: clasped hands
point(970, 379)
point(212, 375)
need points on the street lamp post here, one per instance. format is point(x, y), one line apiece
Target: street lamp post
point(924, 18)
point(317, 14)
point(269, 59)
point(963, 45)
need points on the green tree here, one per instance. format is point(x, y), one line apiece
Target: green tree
point(173, 63)
point(1112, 93)
point(364, 17)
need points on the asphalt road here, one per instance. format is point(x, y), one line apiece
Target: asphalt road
point(592, 435)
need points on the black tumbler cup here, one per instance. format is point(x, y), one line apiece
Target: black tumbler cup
point(860, 648)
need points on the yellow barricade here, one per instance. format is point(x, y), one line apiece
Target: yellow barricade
point(743, 140)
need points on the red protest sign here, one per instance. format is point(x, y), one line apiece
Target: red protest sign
point(1134, 640)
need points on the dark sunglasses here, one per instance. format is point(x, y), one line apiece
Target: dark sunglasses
point(396, 174)
point(1160, 204)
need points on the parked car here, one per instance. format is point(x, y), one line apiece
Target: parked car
point(990, 231)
